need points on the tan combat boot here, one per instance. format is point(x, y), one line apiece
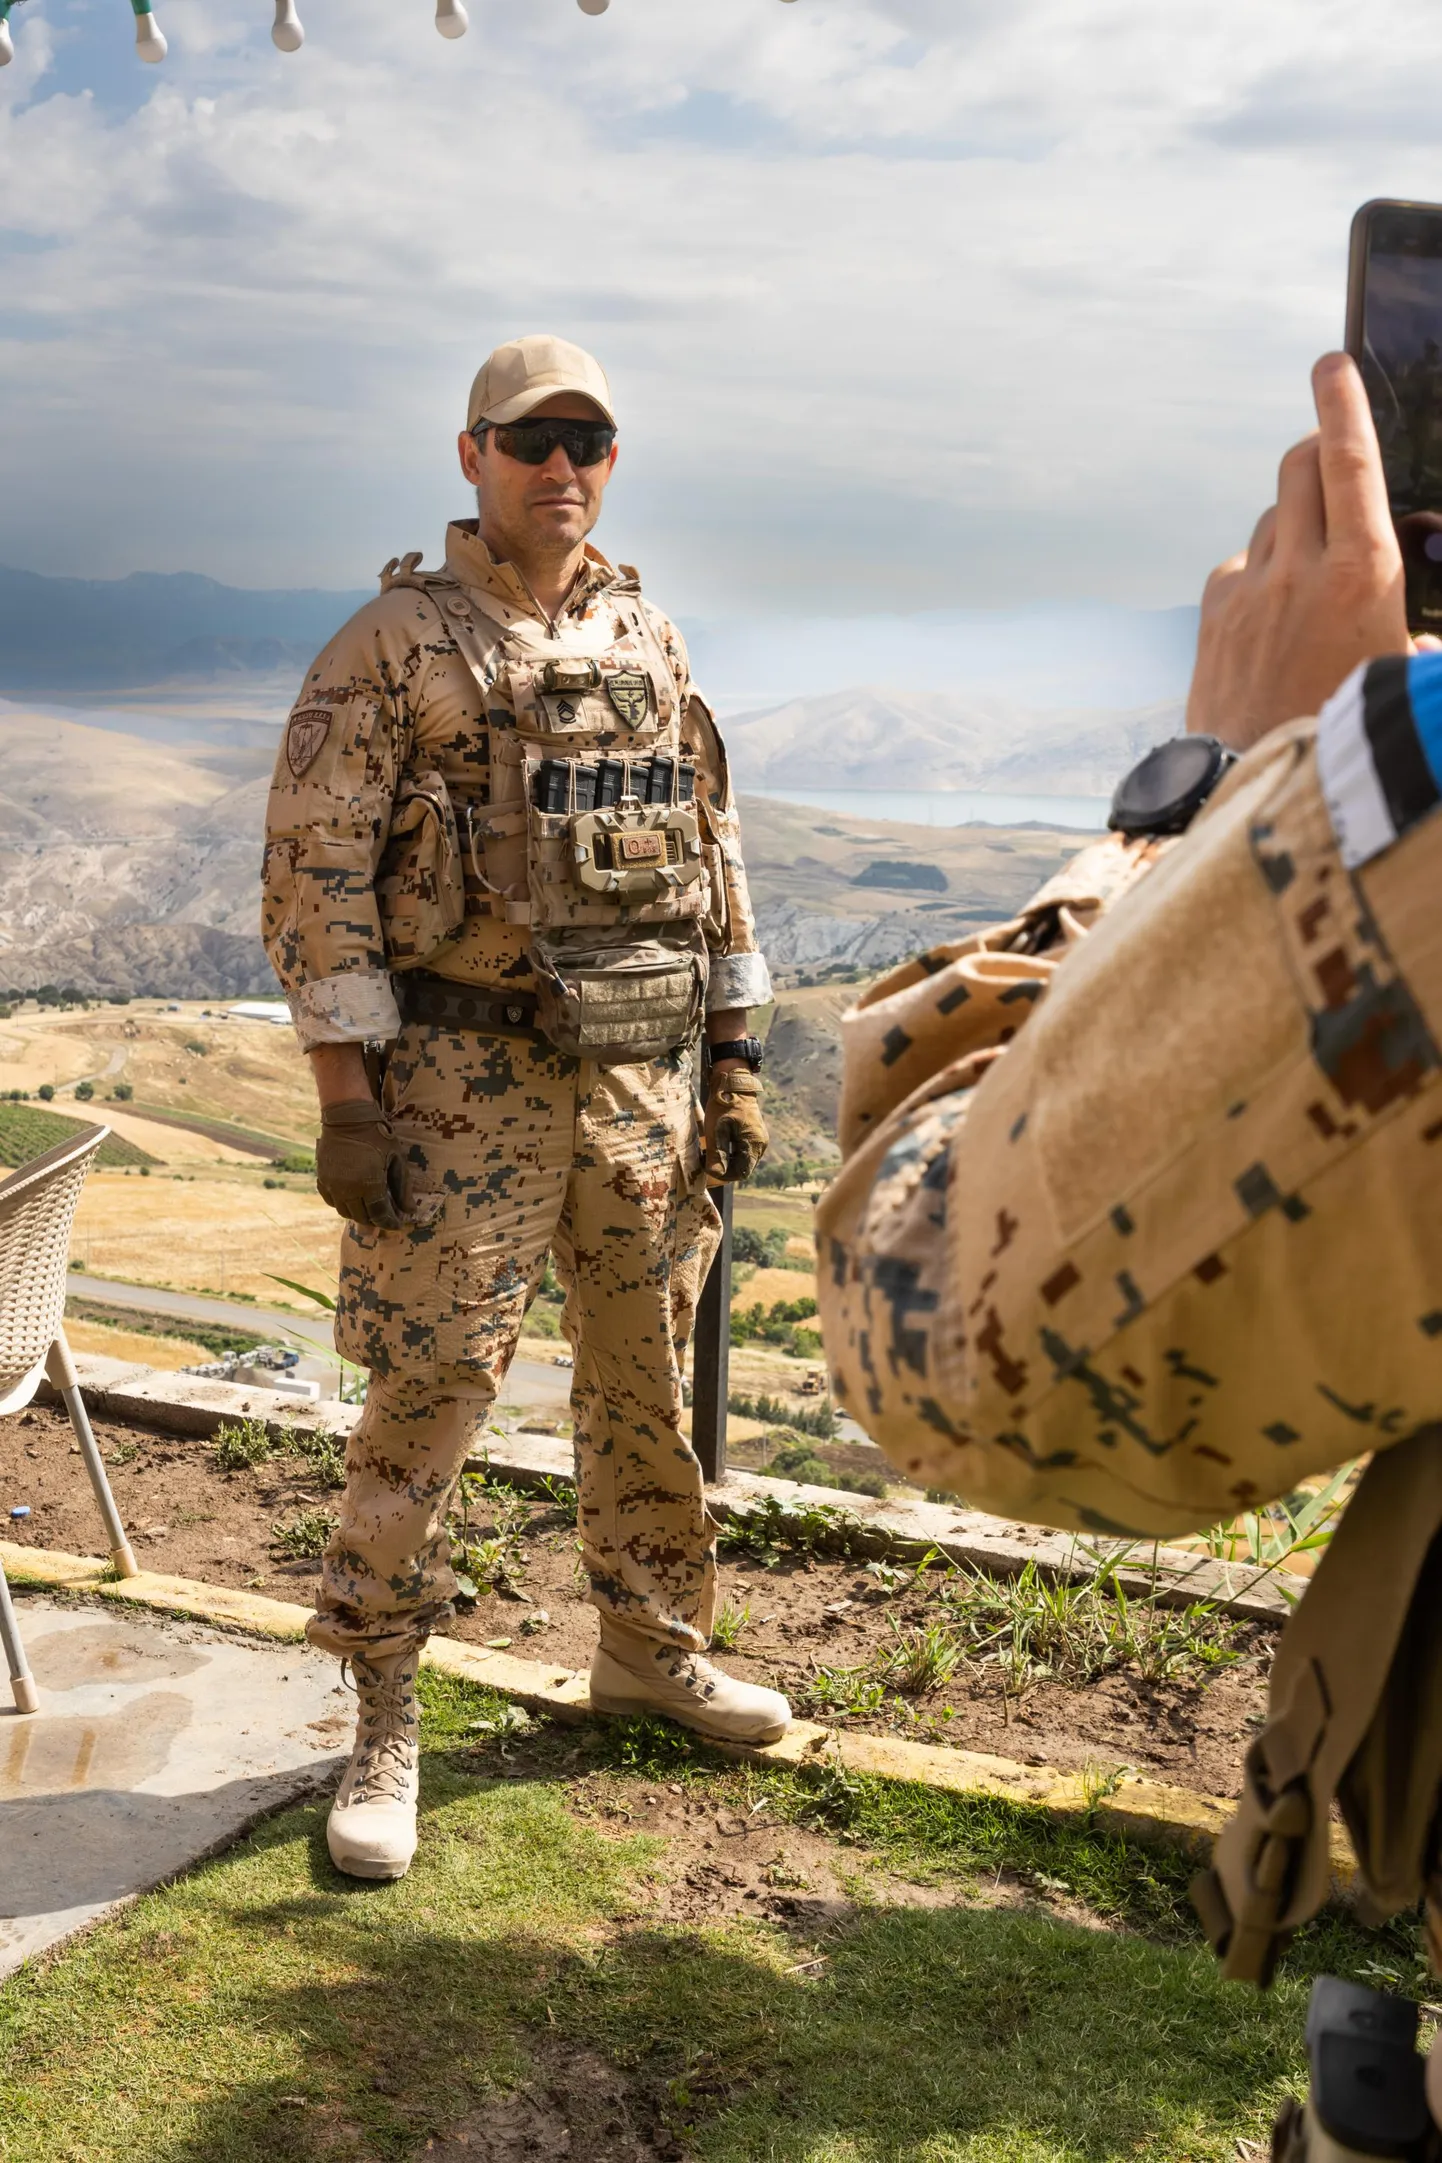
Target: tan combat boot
point(635, 1674)
point(371, 1831)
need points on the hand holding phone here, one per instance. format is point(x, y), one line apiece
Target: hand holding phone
point(1394, 333)
point(1319, 587)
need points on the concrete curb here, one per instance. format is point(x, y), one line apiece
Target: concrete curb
point(1135, 1808)
point(193, 1406)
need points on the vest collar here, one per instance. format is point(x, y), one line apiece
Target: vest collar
point(470, 560)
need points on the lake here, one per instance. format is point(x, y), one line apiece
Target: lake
point(950, 807)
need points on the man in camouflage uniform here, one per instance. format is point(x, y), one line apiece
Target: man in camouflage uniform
point(1140, 1222)
point(464, 868)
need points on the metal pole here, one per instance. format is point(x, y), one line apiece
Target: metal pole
point(710, 1371)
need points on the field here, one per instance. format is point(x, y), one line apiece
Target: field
point(28, 1130)
point(190, 1210)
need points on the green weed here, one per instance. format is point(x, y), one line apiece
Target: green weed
point(241, 1443)
point(730, 1625)
point(324, 1455)
point(773, 1528)
point(303, 1537)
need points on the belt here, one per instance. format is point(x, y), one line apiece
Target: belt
point(438, 1002)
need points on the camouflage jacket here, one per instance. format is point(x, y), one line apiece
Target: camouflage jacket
point(390, 704)
point(1141, 1217)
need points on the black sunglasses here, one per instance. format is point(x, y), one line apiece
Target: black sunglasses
point(585, 443)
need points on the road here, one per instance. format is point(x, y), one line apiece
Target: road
point(531, 1383)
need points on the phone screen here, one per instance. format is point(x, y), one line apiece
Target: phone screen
point(1395, 334)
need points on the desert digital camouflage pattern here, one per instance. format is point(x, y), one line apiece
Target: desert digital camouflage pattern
point(403, 834)
point(513, 1150)
point(398, 831)
point(1078, 1179)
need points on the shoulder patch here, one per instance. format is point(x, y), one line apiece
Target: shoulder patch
point(306, 732)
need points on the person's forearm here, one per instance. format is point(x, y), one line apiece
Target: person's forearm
point(726, 1026)
point(340, 1073)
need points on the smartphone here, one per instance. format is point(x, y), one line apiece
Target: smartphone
point(1394, 333)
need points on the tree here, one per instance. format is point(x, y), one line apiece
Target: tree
point(84, 1091)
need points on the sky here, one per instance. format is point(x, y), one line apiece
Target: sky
point(907, 304)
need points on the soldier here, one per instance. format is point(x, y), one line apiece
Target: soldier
point(503, 853)
point(1141, 1218)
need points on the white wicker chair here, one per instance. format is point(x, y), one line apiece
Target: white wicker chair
point(37, 1207)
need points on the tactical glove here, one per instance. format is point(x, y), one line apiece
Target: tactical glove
point(736, 1136)
point(358, 1165)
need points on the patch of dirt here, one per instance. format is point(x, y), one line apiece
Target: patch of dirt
point(188, 1519)
point(575, 2106)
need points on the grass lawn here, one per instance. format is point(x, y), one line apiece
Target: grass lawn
point(265, 2009)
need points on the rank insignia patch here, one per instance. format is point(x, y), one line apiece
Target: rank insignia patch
point(307, 732)
point(627, 692)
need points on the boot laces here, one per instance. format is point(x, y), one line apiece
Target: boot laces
point(386, 1745)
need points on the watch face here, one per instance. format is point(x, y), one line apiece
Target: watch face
point(1164, 792)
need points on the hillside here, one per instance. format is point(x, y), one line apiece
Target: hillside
point(80, 634)
point(129, 864)
point(877, 738)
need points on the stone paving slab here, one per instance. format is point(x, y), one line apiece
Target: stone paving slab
point(157, 1743)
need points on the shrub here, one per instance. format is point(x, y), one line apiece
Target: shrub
point(299, 1160)
point(818, 1419)
point(122, 1092)
point(45, 1092)
point(201, 1050)
point(766, 1249)
point(84, 1091)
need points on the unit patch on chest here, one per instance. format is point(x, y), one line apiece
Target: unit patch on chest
point(627, 692)
point(303, 738)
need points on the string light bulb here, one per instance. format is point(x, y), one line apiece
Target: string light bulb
point(451, 19)
point(149, 40)
point(287, 32)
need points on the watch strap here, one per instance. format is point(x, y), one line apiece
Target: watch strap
point(748, 1048)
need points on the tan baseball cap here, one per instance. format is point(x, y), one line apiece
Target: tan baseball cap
point(522, 375)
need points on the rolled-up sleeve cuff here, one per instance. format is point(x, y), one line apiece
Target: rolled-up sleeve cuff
point(738, 980)
point(353, 1009)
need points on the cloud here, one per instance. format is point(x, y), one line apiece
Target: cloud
point(908, 303)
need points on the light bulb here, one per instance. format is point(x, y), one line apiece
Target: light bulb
point(451, 19)
point(593, 7)
point(7, 44)
point(149, 43)
point(287, 32)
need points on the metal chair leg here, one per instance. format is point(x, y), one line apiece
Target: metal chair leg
point(22, 1682)
point(60, 1368)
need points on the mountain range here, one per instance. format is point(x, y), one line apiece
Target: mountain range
point(74, 635)
point(142, 716)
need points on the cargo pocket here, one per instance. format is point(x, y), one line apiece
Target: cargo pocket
point(420, 886)
point(386, 1312)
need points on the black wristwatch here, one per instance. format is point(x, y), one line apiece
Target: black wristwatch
point(749, 1048)
point(1164, 792)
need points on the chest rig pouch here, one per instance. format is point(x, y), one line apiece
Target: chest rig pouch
point(591, 835)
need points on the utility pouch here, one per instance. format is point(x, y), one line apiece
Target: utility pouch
point(420, 885)
point(617, 1000)
point(624, 856)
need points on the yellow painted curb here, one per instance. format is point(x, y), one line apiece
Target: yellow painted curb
point(41, 1566)
point(1136, 1808)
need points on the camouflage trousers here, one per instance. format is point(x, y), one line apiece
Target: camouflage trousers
point(514, 1151)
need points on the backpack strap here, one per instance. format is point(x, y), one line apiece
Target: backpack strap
point(1330, 1727)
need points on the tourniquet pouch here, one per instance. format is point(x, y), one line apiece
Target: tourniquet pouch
point(419, 885)
point(610, 996)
